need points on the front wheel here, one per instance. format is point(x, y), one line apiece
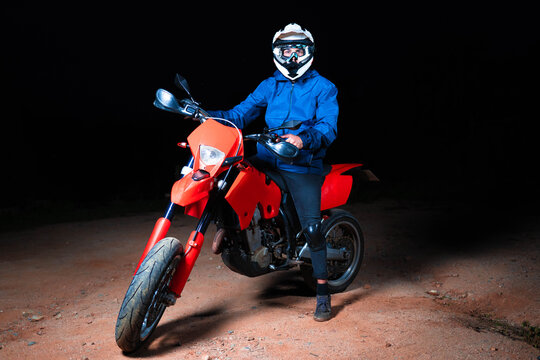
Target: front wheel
point(342, 232)
point(147, 295)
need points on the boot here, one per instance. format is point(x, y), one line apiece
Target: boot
point(323, 311)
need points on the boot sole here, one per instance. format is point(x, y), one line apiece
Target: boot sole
point(322, 317)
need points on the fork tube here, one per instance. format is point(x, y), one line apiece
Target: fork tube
point(193, 249)
point(169, 214)
point(159, 232)
point(194, 245)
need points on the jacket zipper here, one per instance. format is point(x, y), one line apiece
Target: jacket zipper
point(290, 102)
point(290, 108)
point(287, 118)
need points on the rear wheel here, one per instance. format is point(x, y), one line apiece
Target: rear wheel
point(342, 232)
point(148, 295)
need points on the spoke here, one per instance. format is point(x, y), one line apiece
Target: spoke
point(342, 236)
point(157, 306)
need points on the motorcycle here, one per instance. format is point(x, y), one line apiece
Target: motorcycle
point(258, 231)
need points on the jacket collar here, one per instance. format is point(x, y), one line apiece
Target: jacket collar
point(309, 74)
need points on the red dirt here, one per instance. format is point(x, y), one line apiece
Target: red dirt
point(71, 278)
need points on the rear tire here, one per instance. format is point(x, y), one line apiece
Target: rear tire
point(341, 230)
point(144, 302)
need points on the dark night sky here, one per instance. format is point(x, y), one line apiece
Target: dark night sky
point(440, 98)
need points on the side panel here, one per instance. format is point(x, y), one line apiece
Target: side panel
point(336, 187)
point(249, 189)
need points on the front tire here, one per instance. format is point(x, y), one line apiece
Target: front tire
point(342, 231)
point(145, 299)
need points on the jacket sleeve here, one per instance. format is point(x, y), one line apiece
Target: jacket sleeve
point(324, 131)
point(248, 110)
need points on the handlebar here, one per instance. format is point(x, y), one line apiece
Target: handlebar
point(191, 109)
point(272, 142)
point(276, 145)
point(166, 101)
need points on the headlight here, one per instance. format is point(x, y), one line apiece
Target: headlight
point(210, 155)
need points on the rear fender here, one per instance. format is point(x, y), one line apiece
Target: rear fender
point(250, 189)
point(337, 187)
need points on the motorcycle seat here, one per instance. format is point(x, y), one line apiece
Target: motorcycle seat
point(269, 172)
point(326, 169)
point(276, 177)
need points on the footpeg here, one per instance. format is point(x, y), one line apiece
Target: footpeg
point(288, 264)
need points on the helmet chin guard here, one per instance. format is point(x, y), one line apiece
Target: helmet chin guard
point(293, 49)
point(291, 71)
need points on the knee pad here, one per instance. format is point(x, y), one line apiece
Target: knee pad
point(315, 238)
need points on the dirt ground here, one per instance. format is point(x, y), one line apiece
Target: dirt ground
point(437, 282)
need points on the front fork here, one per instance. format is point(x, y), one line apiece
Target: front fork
point(160, 230)
point(193, 246)
point(192, 249)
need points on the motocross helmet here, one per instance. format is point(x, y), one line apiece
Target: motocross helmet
point(293, 49)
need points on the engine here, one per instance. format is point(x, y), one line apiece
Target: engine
point(254, 249)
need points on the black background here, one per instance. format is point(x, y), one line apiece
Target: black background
point(439, 101)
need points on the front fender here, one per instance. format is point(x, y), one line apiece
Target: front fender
point(191, 194)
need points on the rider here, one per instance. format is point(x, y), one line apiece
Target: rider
point(296, 92)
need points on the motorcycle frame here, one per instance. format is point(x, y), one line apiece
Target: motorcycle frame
point(250, 189)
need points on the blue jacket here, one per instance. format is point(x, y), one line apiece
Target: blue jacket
point(311, 99)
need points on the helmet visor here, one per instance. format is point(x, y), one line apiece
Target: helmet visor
point(287, 52)
point(292, 49)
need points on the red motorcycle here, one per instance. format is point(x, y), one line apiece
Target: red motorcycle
point(258, 231)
